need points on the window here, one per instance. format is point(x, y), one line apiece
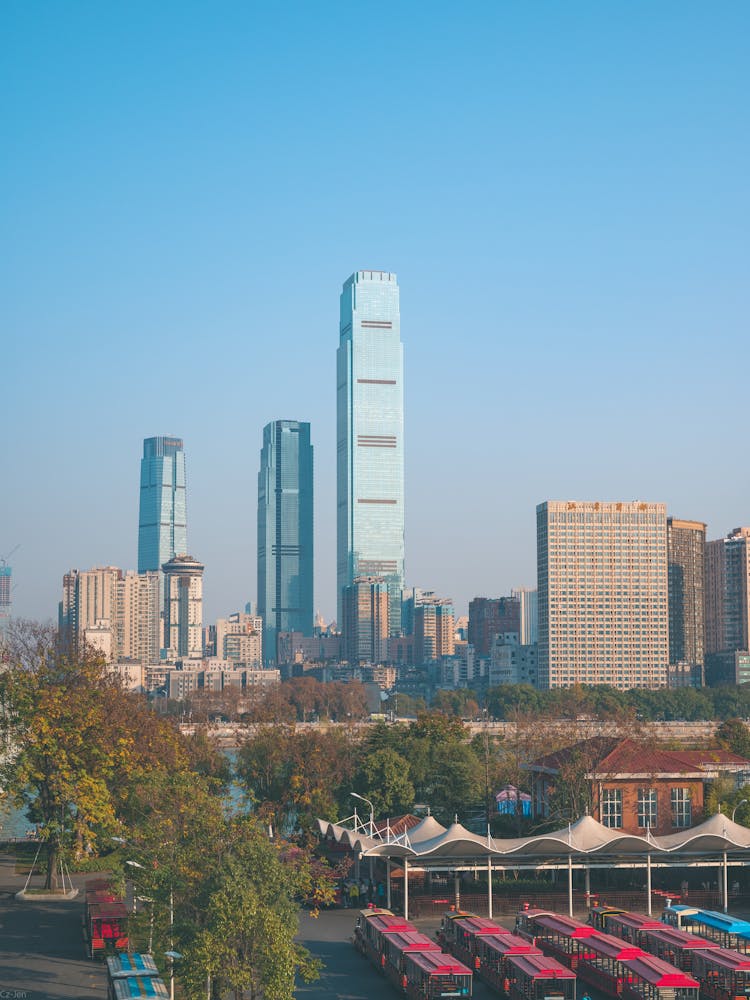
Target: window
point(682, 811)
point(647, 808)
point(612, 807)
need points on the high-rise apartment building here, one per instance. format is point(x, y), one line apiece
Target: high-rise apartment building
point(686, 552)
point(6, 591)
point(602, 586)
point(113, 612)
point(183, 607)
point(434, 628)
point(162, 519)
point(727, 604)
point(370, 430)
point(285, 532)
point(239, 638)
point(88, 609)
point(492, 616)
point(138, 625)
point(366, 605)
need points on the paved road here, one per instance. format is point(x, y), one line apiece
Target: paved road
point(41, 947)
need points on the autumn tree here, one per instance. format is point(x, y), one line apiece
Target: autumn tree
point(61, 754)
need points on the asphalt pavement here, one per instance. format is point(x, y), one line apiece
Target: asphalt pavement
point(41, 946)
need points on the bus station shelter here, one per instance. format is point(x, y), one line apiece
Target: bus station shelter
point(718, 842)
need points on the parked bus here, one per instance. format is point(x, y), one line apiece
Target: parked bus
point(538, 977)
point(431, 975)
point(723, 974)
point(493, 955)
point(675, 946)
point(651, 979)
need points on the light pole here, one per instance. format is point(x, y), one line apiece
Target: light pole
point(362, 798)
point(354, 795)
point(740, 803)
point(171, 954)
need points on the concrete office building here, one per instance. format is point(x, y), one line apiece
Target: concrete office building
point(434, 628)
point(285, 532)
point(602, 583)
point(370, 431)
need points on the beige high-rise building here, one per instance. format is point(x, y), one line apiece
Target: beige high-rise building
point(366, 607)
point(183, 607)
point(88, 610)
point(434, 628)
point(138, 614)
point(602, 594)
point(113, 612)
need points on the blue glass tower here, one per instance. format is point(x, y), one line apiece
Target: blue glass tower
point(285, 532)
point(162, 520)
point(370, 445)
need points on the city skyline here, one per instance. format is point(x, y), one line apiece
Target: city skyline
point(565, 206)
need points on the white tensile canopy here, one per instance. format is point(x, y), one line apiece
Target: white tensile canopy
point(585, 843)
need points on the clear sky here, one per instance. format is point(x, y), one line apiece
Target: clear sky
point(562, 189)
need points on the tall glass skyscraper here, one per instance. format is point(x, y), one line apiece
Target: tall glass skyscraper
point(162, 521)
point(285, 532)
point(370, 444)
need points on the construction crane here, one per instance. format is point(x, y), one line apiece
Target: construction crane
point(4, 559)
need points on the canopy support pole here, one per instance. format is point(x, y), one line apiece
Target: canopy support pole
point(489, 886)
point(570, 885)
point(587, 873)
point(457, 891)
point(388, 882)
point(726, 893)
point(648, 884)
point(406, 888)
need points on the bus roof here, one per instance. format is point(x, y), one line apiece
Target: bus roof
point(542, 967)
point(566, 926)
point(412, 941)
point(728, 959)
point(658, 973)
point(636, 921)
point(679, 939)
point(122, 965)
point(722, 922)
point(613, 947)
point(481, 925)
point(387, 923)
point(137, 987)
point(509, 944)
point(437, 962)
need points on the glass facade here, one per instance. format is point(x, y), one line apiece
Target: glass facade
point(285, 532)
point(370, 445)
point(162, 520)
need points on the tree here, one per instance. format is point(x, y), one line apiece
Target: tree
point(383, 776)
point(247, 941)
point(61, 752)
point(734, 735)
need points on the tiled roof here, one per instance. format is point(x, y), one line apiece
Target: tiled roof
point(612, 755)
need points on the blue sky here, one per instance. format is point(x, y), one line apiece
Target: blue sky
point(562, 189)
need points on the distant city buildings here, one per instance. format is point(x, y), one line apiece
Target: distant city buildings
point(727, 605)
point(162, 518)
point(183, 607)
point(370, 446)
point(491, 616)
point(285, 532)
point(6, 590)
point(239, 639)
point(366, 608)
point(434, 628)
point(602, 582)
point(686, 553)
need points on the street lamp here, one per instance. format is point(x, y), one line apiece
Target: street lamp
point(740, 803)
point(354, 795)
point(171, 954)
